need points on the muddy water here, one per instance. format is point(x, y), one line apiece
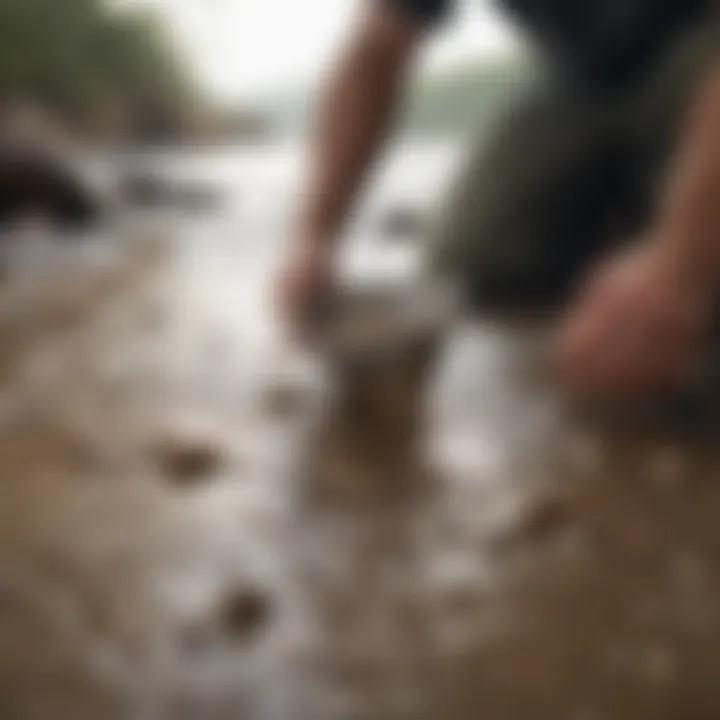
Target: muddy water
point(196, 523)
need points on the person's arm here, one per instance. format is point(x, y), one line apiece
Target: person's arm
point(639, 322)
point(690, 220)
point(355, 114)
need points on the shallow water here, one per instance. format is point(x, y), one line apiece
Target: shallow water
point(168, 549)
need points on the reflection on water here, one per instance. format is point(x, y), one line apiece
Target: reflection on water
point(196, 523)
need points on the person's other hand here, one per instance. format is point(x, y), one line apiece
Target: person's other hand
point(303, 283)
point(635, 326)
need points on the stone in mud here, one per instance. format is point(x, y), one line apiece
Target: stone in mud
point(542, 520)
point(244, 613)
point(380, 355)
point(238, 617)
point(31, 183)
point(402, 223)
point(545, 518)
point(186, 461)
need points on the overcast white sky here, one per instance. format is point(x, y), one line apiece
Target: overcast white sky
point(245, 48)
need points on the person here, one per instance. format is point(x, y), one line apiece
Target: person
point(598, 193)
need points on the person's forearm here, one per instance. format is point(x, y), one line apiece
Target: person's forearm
point(690, 218)
point(355, 115)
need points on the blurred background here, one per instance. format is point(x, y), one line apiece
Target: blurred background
point(168, 547)
point(183, 106)
point(176, 70)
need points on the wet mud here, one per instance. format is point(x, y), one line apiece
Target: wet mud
point(424, 528)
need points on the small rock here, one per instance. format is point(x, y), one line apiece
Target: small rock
point(539, 521)
point(244, 613)
point(545, 517)
point(188, 460)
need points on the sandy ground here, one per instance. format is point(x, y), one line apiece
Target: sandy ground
point(190, 528)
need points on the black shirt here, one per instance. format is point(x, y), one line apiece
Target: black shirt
point(596, 41)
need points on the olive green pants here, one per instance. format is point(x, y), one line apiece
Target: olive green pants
point(563, 177)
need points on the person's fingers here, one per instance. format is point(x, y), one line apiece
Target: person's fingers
point(628, 331)
point(583, 334)
point(614, 350)
point(631, 365)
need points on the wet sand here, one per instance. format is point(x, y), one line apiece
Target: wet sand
point(193, 527)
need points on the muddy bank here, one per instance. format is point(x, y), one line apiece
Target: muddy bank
point(195, 525)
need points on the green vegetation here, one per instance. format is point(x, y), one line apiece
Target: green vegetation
point(464, 98)
point(454, 102)
point(93, 64)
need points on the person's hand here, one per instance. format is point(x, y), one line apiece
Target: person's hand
point(303, 283)
point(636, 324)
